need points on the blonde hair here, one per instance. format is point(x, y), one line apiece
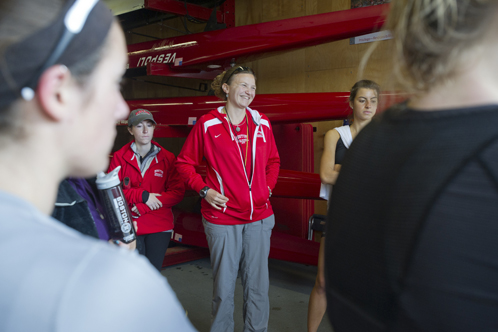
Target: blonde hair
point(227, 77)
point(431, 36)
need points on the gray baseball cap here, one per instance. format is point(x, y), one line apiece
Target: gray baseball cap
point(139, 115)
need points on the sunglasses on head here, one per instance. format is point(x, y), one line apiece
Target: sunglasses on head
point(236, 71)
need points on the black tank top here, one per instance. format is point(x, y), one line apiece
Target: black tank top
point(340, 151)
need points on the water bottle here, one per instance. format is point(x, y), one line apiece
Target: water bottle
point(117, 213)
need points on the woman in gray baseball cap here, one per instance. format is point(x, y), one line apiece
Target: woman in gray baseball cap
point(151, 185)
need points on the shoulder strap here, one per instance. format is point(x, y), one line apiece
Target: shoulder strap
point(346, 136)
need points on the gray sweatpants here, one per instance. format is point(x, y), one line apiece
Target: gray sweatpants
point(246, 246)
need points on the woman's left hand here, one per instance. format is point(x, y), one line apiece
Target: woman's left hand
point(153, 202)
point(217, 200)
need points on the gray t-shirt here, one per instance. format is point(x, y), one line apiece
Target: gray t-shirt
point(54, 279)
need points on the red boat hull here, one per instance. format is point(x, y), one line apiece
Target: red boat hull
point(204, 55)
point(279, 108)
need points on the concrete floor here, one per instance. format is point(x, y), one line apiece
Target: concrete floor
point(290, 287)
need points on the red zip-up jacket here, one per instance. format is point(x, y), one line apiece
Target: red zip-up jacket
point(248, 195)
point(160, 178)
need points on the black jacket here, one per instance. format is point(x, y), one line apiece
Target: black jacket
point(71, 209)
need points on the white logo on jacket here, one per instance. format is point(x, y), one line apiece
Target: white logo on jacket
point(242, 138)
point(158, 173)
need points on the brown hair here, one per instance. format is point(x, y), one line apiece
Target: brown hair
point(430, 37)
point(363, 84)
point(18, 20)
point(227, 77)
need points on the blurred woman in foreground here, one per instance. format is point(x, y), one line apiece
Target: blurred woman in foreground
point(419, 251)
point(61, 64)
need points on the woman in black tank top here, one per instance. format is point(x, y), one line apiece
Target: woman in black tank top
point(363, 102)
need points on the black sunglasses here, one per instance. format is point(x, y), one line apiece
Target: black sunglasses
point(236, 71)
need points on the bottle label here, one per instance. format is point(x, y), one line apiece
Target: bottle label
point(118, 216)
point(120, 206)
point(129, 238)
point(125, 228)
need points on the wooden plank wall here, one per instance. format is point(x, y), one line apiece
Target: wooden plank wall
point(331, 67)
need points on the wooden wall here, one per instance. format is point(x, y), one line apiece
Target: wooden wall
point(331, 67)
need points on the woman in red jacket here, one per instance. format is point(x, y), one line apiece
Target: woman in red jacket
point(151, 185)
point(242, 169)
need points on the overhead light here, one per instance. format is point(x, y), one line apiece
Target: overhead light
point(214, 66)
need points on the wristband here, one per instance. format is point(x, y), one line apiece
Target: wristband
point(145, 196)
